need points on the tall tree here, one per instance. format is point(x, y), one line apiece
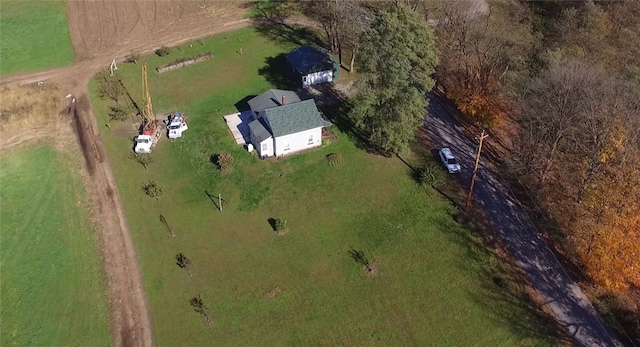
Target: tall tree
point(481, 51)
point(397, 60)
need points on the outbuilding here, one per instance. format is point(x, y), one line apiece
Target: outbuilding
point(309, 65)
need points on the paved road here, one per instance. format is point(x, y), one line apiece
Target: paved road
point(565, 299)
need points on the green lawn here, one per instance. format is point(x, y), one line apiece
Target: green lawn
point(301, 288)
point(34, 35)
point(52, 289)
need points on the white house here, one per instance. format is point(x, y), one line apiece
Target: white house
point(283, 124)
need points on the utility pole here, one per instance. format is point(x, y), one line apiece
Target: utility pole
point(475, 169)
point(220, 201)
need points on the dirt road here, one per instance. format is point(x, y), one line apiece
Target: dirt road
point(102, 31)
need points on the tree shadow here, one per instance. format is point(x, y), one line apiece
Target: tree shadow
point(274, 71)
point(503, 288)
point(287, 34)
point(213, 159)
point(213, 199)
point(338, 115)
point(243, 104)
point(272, 223)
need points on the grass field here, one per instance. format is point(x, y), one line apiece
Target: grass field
point(434, 285)
point(34, 35)
point(53, 290)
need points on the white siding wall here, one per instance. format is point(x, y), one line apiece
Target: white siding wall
point(268, 143)
point(317, 77)
point(298, 141)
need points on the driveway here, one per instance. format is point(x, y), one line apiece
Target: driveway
point(563, 296)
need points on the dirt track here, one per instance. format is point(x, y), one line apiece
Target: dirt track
point(102, 31)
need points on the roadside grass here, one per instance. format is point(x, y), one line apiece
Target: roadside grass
point(35, 36)
point(301, 288)
point(53, 291)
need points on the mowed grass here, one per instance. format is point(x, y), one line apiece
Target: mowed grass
point(52, 289)
point(301, 288)
point(34, 35)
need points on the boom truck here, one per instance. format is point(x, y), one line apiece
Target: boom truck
point(149, 133)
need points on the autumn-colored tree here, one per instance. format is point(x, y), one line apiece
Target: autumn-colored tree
point(606, 235)
point(480, 53)
point(580, 145)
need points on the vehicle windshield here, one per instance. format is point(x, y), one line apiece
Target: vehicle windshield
point(451, 161)
point(174, 127)
point(143, 140)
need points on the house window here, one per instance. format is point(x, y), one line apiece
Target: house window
point(310, 139)
point(264, 148)
point(286, 145)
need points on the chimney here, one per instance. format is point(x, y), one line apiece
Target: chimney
point(284, 100)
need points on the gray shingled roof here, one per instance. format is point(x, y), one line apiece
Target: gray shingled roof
point(309, 59)
point(259, 131)
point(295, 117)
point(272, 98)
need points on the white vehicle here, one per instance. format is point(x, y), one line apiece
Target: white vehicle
point(143, 144)
point(176, 125)
point(449, 160)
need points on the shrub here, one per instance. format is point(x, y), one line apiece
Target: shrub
point(334, 158)
point(132, 57)
point(162, 51)
point(431, 175)
point(279, 225)
point(224, 161)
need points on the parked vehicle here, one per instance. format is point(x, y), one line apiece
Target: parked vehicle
point(449, 160)
point(176, 125)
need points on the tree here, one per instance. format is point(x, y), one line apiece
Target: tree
point(201, 308)
point(397, 59)
point(480, 53)
point(224, 161)
point(330, 17)
point(142, 159)
point(184, 263)
point(153, 190)
point(343, 22)
point(355, 23)
point(110, 87)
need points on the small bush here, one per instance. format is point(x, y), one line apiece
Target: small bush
point(334, 158)
point(279, 225)
point(163, 51)
point(431, 175)
point(224, 162)
point(132, 57)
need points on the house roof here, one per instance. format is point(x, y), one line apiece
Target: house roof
point(259, 131)
point(309, 59)
point(295, 117)
point(272, 98)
